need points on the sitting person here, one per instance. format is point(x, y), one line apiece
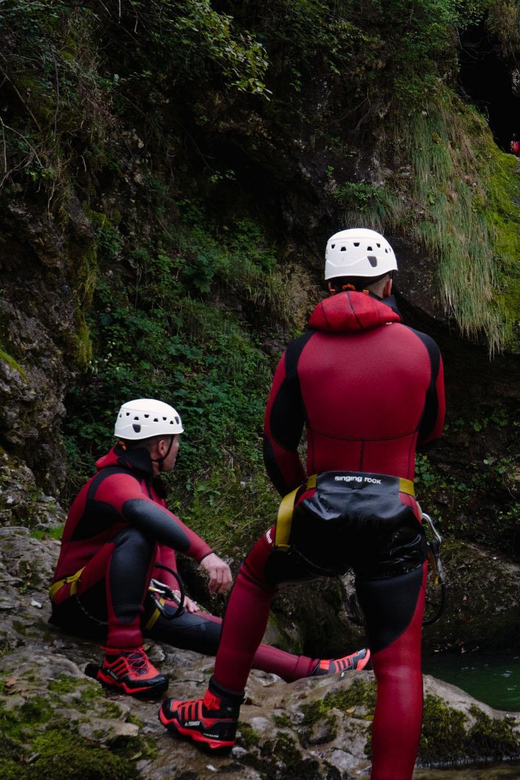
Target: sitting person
point(118, 550)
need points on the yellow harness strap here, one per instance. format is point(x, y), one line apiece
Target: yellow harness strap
point(406, 486)
point(433, 563)
point(285, 513)
point(73, 578)
point(154, 616)
point(286, 509)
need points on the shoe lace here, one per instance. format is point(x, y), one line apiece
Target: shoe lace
point(138, 662)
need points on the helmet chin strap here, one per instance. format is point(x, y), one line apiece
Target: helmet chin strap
point(160, 461)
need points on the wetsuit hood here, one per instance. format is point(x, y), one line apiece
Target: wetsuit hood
point(136, 460)
point(351, 311)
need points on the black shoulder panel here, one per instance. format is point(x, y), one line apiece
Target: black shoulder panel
point(288, 413)
point(98, 515)
point(431, 406)
point(103, 474)
point(293, 352)
point(273, 470)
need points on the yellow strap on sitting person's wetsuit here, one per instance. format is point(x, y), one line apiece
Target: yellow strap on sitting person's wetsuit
point(155, 615)
point(286, 509)
point(73, 578)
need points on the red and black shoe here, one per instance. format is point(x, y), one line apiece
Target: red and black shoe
point(130, 671)
point(356, 661)
point(211, 721)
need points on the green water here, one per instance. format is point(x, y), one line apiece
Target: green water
point(492, 679)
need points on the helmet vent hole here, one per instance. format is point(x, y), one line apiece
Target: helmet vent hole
point(372, 259)
point(136, 427)
point(356, 243)
point(343, 249)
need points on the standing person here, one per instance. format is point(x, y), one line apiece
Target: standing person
point(118, 537)
point(369, 390)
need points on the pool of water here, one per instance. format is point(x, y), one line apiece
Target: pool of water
point(492, 679)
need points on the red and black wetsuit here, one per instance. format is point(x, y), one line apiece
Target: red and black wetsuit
point(369, 391)
point(118, 527)
point(117, 531)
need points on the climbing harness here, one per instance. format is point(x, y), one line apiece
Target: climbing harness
point(159, 592)
point(73, 580)
point(282, 540)
point(434, 559)
point(286, 509)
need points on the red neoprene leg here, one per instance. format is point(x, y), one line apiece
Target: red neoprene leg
point(398, 716)
point(245, 620)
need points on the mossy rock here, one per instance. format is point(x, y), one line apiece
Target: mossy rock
point(64, 756)
point(451, 736)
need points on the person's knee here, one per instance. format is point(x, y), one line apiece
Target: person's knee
point(131, 535)
point(132, 551)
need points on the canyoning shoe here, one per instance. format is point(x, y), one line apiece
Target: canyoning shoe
point(211, 721)
point(130, 671)
point(356, 661)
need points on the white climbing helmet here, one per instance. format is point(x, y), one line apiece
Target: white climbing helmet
point(146, 417)
point(358, 252)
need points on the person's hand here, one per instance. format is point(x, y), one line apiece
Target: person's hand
point(190, 605)
point(220, 578)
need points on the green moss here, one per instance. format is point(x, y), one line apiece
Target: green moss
point(20, 722)
point(58, 753)
point(112, 710)
point(281, 759)
point(320, 723)
point(492, 739)
point(12, 363)
point(447, 739)
point(65, 756)
point(454, 199)
point(82, 345)
point(65, 684)
point(91, 693)
point(9, 750)
point(48, 533)
point(360, 698)
point(443, 736)
point(282, 721)
point(248, 736)
point(11, 770)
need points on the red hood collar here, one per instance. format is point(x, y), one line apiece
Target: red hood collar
point(348, 312)
point(135, 460)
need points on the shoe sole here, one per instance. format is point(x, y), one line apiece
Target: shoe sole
point(206, 743)
point(148, 691)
